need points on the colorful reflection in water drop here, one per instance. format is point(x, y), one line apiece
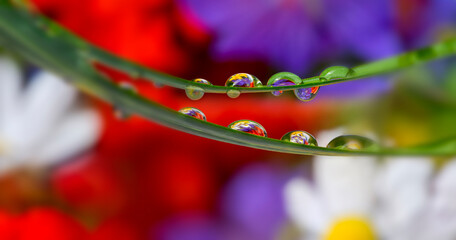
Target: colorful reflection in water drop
point(306, 94)
point(281, 83)
point(300, 137)
point(249, 127)
point(194, 92)
point(202, 81)
point(283, 79)
point(243, 80)
point(193, 112)
point(352, 142)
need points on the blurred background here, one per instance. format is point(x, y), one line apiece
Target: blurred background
point(71, 169)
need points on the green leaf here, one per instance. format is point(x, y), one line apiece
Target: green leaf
point(47, 44)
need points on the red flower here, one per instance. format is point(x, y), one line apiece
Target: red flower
point(41, 223)
point(148, 32)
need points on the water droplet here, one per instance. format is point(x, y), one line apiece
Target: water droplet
point(300, 137)
point(352, 142)
point(243, 80)
point(118, 112)
point(233, 93)
point(283, 79)
point(193, 112)
point(158, 85)
point(128, 86)
point(135, 74)
point(335, 72)
point(121, 114)
point(202, 81)
point(194, 93)
point(249, 127)
point(306, 94)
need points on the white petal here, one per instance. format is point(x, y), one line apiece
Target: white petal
point(46, 100)
point(7, 164)
point(346, 184)
point(77, 132)
point(304, 207)
point(10, 85)
point(440, 220)
point(402, 191)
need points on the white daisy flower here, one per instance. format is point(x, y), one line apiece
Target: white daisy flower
point(357, 198)
point(41, 124)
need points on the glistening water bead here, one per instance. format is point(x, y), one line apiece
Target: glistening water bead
point(193, 112)
point(128, 86)
point(233, 93)
point(290, 79)
point(335, 72)
point(306, 94)
point(300, 137)
point(243, 80)
point(202, 81)
point(249, 127)
point(351, 142)
point(283, 79)
point(118, 112)
point(194, 92)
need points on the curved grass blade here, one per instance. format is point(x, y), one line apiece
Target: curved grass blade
point(67, 55)
point(433, 52)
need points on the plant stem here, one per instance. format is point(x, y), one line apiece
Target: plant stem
point(50, 46)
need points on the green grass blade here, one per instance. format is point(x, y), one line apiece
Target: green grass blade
point(47, 45)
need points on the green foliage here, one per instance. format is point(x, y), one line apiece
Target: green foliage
point(50, 46)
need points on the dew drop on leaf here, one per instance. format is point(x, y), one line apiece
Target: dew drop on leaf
point(283, 79)
point(243, 80)
point(194, 93)
point(193, 112)
point(202, 81)
point(300, 137)
point(128, 86)
point(158, 85)
point(335, 72)
point(306, 94)
point(351, 142)
point(249, 127)
point(233, 93)
point(121, 114)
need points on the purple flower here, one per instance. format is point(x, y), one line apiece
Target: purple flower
point(300, 35)
point(253, 201)
point(252, 207)
point(294, 35)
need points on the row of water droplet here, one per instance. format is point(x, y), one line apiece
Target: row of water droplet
point(352, 142)
point(281, 79)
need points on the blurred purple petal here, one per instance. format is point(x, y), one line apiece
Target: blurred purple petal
point(253, 201)
point(188, 227)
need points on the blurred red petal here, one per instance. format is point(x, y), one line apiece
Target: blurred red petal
point(90, 186)
point(8, 226)
point(49, 224)
point(115, 230)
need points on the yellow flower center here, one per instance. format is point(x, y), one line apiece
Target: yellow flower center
point(352, 228)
